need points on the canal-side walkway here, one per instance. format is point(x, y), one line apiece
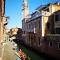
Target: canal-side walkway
point(7, 52)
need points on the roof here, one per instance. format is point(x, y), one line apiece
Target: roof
point(42, 6)
point(57, 11)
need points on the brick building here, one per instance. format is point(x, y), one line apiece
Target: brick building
point(3, 20)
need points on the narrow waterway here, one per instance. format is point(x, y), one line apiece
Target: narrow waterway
point(32, 55)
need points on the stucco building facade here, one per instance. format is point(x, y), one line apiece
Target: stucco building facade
point(43, 29)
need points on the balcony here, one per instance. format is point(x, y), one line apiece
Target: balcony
point(45, 13)
point(5, 21)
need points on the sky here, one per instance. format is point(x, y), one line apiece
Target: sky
point(13, 10)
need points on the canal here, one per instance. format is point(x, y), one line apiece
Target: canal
point(32, 55)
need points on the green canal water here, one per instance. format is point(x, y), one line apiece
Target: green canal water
point(32, 55)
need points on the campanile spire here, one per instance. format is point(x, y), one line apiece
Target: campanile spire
point(25, 15)
point(25, 9)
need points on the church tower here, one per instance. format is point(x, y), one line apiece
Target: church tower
point(25, 14)
point(25, 9)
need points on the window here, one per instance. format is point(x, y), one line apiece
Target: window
point(29, 26)
point(57, 17)
point(39, 40)
point(39, 24)
point(34, 27)
point(23, 32)
point(58, 44)
point(50, 44)
point(48, 25)
point(34, 24)
point(57, 30)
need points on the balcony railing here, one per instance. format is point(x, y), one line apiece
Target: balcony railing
point(57, 24)
point(53, 37)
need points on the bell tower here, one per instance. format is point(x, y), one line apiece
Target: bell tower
point(25, 14)
point(25, 9)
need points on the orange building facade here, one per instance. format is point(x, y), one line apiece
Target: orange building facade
point(15, 34)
